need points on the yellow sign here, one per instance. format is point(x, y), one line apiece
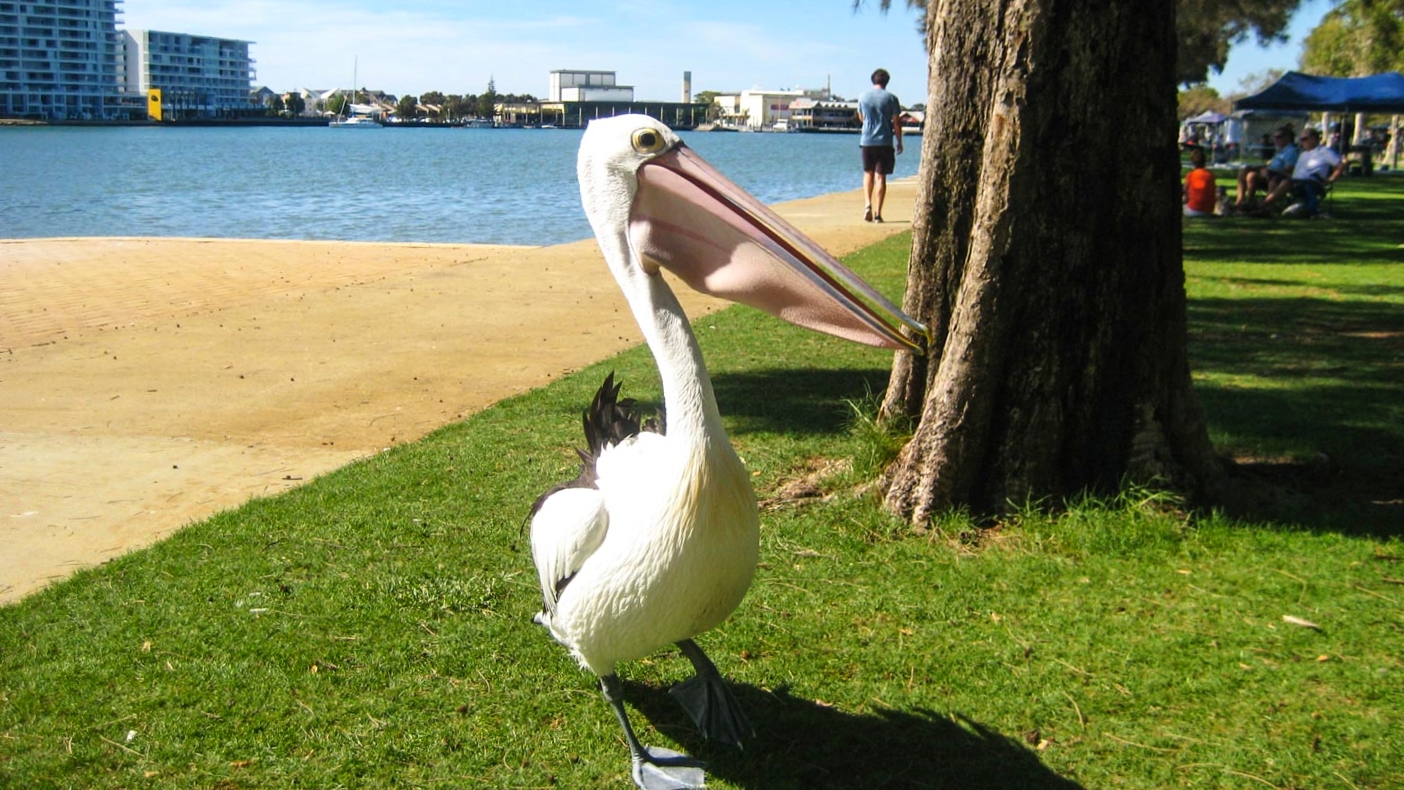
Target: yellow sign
point(153, 104)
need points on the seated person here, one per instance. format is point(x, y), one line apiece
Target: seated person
point(1200, 192)
point(1316, 167)
point(1277, 171)
point(1265, 149)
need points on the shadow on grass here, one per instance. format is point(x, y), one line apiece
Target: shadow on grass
point(803, 744)
point(794, 400)
point(1364, 227)
point(1318, 433)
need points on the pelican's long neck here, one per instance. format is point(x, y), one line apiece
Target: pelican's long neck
point(691, 406)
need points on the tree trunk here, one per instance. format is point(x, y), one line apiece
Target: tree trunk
point(1046, 260)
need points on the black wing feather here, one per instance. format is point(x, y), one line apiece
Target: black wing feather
point(608, 421)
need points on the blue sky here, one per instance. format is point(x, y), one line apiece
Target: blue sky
point(1248, 58)
point(454, 46)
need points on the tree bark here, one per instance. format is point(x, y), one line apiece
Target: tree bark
point(1046, 260)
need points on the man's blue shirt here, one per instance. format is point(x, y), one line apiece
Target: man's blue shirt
point(879, 108)
point(1285, 160)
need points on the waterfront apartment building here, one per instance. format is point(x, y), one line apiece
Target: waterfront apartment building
point(824, 115)
point(198, 76)
point(58, 59)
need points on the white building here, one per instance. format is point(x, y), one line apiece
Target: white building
point(574, 85)
point(757, 109)
point(58, 59)
point(824, 114)
point(198, 76)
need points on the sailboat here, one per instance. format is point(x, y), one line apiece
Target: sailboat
point(349, 120)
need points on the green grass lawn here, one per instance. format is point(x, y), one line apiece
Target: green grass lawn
point(1297, 337)
point(372, 628)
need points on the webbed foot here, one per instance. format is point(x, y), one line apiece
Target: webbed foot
point(665, 769)
point(654, 768)
point(709, 701)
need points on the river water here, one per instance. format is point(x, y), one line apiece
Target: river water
point(494, 186)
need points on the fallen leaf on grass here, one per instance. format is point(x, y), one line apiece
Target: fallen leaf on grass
point(1292, 620)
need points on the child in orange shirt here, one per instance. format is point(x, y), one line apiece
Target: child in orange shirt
point(1200, 192)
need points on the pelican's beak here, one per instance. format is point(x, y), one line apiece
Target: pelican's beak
point(693, 221)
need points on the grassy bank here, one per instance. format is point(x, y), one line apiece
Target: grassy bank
point(371, 629)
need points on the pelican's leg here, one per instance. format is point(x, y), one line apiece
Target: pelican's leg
point(709, 702)
point(654, 768)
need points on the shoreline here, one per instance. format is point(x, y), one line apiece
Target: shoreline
point(146, 383)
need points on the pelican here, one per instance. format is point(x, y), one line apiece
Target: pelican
point(657, 540)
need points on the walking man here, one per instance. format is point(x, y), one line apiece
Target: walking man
point(880, 113)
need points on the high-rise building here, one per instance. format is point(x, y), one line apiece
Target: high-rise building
point(58, 59)
point(198, 76)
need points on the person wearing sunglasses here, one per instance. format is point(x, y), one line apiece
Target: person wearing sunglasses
point(1317, 167)
point(1277, 171)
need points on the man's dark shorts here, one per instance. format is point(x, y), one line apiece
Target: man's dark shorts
point(879, 159)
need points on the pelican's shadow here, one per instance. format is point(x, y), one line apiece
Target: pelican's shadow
point(803, 744)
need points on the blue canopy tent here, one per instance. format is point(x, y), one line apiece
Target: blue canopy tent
point(1380, 93)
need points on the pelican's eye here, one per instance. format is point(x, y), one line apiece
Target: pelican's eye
point(648, 141)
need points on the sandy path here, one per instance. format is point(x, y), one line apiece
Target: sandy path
point(146, 383)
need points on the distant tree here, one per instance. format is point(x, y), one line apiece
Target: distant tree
point(1357, 38)
point(407, 108)
point(1200, 98)
point(1258, 80)
point(276, 104)
point(452, 108)
point(460, 107)
point(709, 98)
point(1332, 49)
point(295, 104)
point(1205, 29)
point(336, 105)
point(487, 101)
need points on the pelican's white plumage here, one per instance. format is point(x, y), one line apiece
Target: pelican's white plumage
point(658, 540)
